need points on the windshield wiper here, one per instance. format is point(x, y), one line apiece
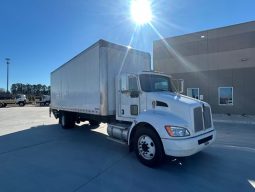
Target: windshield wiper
point(163, 90)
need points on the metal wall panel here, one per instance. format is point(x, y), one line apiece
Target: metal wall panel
point(224, 57)
point(208, 82)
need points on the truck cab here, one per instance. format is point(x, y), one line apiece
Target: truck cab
point(163, 122)
point(44, 100)
point(21, 99)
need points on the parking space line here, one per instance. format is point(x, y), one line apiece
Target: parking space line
point(26, 147)
point(235, 147)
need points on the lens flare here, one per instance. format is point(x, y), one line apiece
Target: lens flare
point(141, 11)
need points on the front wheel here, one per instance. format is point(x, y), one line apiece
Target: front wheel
point(21, 104)
point(148, 147)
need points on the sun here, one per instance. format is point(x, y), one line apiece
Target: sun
point(141, 11)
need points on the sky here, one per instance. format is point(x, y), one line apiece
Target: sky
point(40, 35)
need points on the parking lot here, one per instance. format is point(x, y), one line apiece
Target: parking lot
point(37, 155)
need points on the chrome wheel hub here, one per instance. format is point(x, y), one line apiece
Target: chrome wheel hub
point(146, 147)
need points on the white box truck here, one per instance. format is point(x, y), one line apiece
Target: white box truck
point(44, 100)
point(114, 84)
point(19, 99)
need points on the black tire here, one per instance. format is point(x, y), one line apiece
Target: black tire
point(94, 123)
point(1, 105)
point(66, 120)
point(5, 104)
point(148, 147)
point(21, 104)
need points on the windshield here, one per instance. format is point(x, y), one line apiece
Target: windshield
point(155, 83)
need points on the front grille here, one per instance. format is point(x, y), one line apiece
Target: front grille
point(207, 117)
point(202, 118)
point(198, 119)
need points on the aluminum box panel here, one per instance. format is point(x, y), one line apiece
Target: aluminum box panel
point(86, 83)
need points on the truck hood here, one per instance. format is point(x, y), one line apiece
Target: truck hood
point(172, 98)
point(176, 104)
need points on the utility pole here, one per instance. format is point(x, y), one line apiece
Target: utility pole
point(7, 63)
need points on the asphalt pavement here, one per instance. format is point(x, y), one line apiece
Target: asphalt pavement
point(37, 155)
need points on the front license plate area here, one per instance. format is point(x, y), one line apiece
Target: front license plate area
point(205, 140)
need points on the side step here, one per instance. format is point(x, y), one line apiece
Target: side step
point(118, 131)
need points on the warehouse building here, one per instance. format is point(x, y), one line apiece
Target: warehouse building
point(218, 66)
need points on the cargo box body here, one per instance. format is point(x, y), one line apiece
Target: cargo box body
point(86, 83)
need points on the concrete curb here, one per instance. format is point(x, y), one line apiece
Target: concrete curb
point(236, 119)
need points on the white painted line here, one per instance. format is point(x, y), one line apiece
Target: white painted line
point(235, 147)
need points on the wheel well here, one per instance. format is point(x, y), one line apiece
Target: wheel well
point(138, 126)
point(56, 113)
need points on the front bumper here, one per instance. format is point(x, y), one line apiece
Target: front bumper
point(188, 146)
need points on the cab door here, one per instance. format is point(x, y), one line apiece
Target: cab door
point(129, 97)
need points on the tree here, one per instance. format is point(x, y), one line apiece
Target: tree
point(30, 90)
point(14, 89)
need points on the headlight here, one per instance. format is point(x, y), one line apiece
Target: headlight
point(177, 131)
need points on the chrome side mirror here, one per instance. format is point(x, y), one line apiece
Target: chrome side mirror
point(178, 85)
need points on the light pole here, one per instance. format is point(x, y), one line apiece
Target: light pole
point(7, 63)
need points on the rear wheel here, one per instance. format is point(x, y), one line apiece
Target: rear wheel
point(148, 147)
point(94, 123)
point(1, 105)
point(67, 120)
